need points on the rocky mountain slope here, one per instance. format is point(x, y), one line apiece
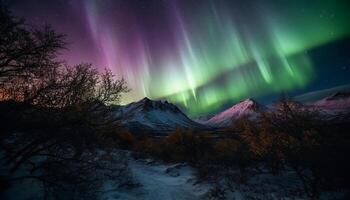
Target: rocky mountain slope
point(148, 116)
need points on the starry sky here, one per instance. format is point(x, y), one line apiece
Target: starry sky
point(204, 54)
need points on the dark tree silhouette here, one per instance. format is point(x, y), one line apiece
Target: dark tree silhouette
point(24, 49)
point(55, 122)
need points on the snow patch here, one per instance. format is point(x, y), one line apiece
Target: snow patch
point(159, 182)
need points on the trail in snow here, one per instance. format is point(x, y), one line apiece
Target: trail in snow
point(160, 182)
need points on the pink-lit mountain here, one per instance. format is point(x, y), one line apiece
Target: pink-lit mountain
point(337, 101)
point(249, 108)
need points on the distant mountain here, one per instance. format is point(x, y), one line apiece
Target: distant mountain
point(148, 116)
point(321, 94)
point(248, 107)
point(337, 101)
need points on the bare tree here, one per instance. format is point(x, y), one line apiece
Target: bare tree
point(55, 122)
point(290, 138)
point(23, 49)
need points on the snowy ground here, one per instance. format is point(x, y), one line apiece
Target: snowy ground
point(159, 181)
point(154, 180)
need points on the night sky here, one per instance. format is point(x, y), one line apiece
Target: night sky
point(204, 54)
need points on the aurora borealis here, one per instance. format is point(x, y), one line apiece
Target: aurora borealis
point(200, 54)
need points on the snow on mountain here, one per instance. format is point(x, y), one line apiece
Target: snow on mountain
point(320, 94)
point(248, 107)
point(153, 116)
point(148, 116)
point(337, 101)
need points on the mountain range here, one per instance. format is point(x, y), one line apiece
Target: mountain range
point(161, 117)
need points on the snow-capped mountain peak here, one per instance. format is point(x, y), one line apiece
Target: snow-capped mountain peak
point(339, 100)
point(154, 116)
point(248, 107)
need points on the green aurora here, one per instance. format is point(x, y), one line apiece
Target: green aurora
point(205, 55)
